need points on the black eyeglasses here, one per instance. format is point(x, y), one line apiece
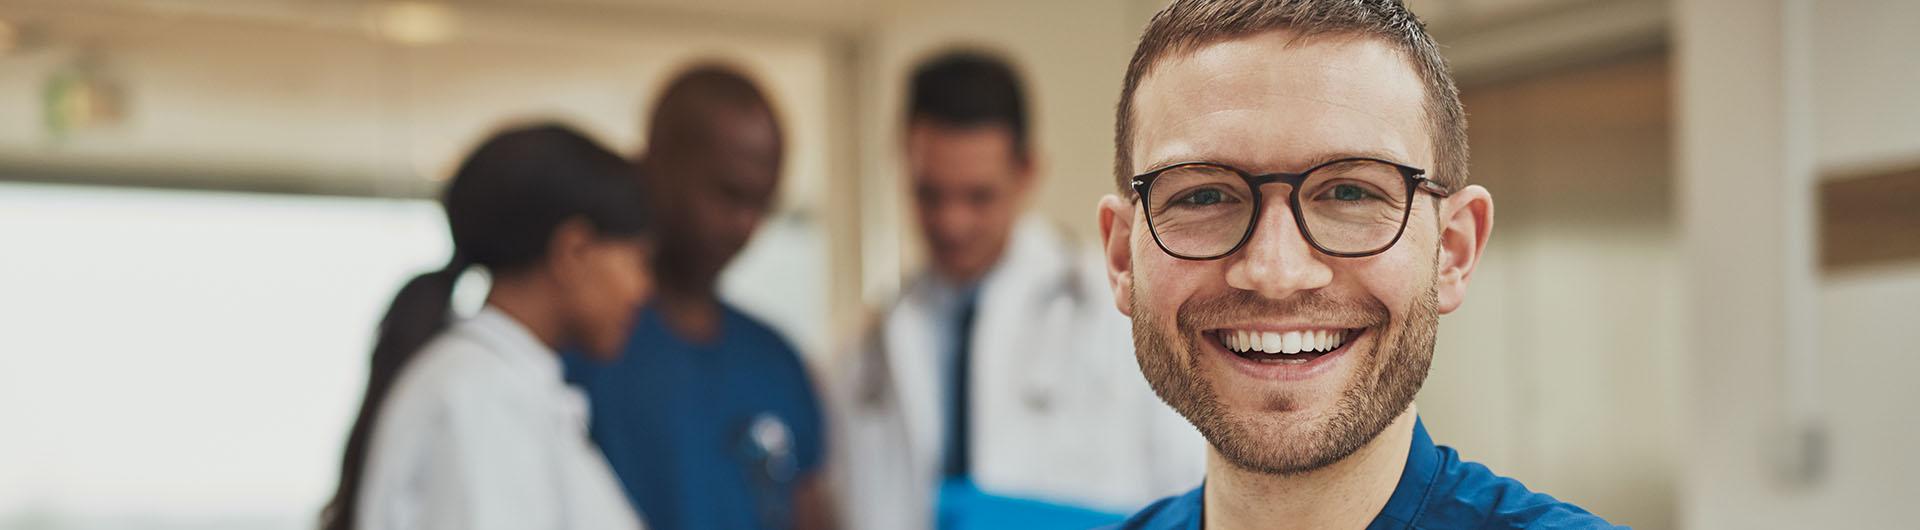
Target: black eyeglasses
point(1349, 208)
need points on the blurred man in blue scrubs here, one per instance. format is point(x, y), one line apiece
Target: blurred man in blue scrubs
point(994, 393)
point(1292, 219)
point(710, 419)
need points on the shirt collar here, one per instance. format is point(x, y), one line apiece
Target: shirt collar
point(949, 297)
point(514, 342)
point(1409, 497)
point(1416, 479)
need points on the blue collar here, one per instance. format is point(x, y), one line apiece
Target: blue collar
point(1407, 504)
point(1436, 490)
point(1416, 482)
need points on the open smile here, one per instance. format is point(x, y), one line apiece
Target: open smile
point(1288, 354)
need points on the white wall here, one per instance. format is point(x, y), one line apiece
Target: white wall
point(1778, 95)
point(1866, 101)
point(188, 358)
point(1866, 74)
point(1562, 368)
point(1869, 360)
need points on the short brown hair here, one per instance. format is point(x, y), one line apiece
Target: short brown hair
point(1186, 25)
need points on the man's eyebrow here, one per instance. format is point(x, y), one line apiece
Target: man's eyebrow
point(1315, 161)
point(1378, 154)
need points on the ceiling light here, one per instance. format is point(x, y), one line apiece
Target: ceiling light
point(415, 23)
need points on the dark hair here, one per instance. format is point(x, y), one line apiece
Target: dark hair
point(683, 114)
point(970, 89)
point(502, 208)
point(1186, 25)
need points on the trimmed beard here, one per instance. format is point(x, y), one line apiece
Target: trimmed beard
point(1384, 383)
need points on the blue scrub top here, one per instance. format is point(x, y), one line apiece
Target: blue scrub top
point(1437, 490)
point(677, 422)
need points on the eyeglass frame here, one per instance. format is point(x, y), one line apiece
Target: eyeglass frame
point(1416, 179)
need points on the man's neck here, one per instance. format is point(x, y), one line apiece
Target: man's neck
point(1346, 494)
point(691, 314)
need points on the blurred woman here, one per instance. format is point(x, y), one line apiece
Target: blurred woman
point(470, 426)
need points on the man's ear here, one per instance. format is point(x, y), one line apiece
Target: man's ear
point(1026, 177)
point(1116, 232)
point(1027, 166)
point(1466, 219)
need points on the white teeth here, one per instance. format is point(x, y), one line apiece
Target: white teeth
point(1291, 342)
point(1237, 341)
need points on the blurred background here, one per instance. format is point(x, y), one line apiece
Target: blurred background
point(1698, 310)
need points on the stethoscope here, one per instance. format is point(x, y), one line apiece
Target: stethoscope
point(766, 447)
point(1036, 387)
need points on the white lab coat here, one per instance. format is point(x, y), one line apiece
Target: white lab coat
point(481, 432)
point(1059, 410)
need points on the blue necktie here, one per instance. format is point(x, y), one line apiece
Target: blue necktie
point(958, 378)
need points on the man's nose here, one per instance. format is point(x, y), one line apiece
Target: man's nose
point(955, 221)
point(1277, 262)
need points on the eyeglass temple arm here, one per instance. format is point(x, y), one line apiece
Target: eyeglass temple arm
point(1437, 189)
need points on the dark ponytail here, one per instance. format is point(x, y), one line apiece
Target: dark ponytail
point(502, 206)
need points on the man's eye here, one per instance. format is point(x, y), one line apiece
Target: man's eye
point(1348, 192)
point(1206, 197)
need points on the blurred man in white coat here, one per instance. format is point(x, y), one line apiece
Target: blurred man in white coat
point(997, 390)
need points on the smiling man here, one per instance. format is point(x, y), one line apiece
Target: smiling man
point(1293, 218)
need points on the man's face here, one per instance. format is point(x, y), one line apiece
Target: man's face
point(713, 194)
point(1266, 104)
point(968, 185)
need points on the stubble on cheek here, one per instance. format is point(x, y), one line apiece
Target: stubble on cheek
point(1390, 374)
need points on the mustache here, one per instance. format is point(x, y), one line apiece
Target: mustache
point(1239, 306)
